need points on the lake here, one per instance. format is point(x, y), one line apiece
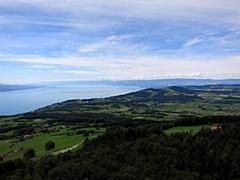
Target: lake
point(20, 101)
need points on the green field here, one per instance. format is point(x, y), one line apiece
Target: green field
point(37, 143)
point(65, 138)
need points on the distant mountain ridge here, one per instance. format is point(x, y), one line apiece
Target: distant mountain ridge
point(4, 87)
point(156, 83)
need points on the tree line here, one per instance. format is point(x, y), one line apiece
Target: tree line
point(141, 152)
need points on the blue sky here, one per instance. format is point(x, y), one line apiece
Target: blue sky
point(111, 39)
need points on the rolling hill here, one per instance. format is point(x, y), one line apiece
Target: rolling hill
point(151, 104)
point(69, 123)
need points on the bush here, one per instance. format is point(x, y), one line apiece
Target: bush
point(1, 158)
point(85, 134)
point(29, 153)
point(49, 145)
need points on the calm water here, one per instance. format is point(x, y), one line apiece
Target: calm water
point(14, 102)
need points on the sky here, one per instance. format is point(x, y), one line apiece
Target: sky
point(42, 40)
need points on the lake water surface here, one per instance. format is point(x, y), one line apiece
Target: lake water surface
point(14, 102)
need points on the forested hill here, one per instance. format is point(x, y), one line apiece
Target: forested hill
point(142, 152)
point(150, 104)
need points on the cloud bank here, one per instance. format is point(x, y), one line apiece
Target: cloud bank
point(137, 39)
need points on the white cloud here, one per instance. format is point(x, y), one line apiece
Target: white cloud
point(113, 44)
point(114, 17)
point(192, 42)
point(142, 67)
point(92, 47)
point(42, 66)
point(221, 10)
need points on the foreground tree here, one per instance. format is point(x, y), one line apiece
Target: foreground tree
point(50, 145)
point(1, 158)
point(141, 152)
point(29, 153)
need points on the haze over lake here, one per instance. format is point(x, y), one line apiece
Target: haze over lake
point(14, 102)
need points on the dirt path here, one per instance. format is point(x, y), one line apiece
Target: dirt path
point(67, 149)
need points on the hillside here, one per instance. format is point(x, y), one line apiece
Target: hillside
point(152, 104)
point(142, 152)
point(68, 124)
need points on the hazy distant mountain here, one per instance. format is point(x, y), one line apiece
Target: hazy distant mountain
point(152, 83)
point(4, 87)
point(158, 83)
